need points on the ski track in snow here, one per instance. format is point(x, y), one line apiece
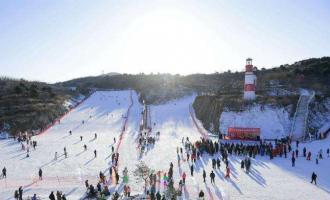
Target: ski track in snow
point(112, 114)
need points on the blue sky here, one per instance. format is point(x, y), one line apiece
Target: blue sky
point(59, 40)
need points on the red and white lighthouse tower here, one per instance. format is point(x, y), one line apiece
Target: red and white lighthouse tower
point(250, 81)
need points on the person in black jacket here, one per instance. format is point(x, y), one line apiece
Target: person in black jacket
point(20, 192)
point(40, 174)
point(201, 194)
point(52, 196)
point(4, 172)
point(158, 196)
point(314, 176)
point(204, 175)
point(212, 176)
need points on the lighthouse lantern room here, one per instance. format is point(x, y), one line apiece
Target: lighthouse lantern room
point(250, 81)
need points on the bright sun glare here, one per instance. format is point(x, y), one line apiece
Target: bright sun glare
point(169, 39)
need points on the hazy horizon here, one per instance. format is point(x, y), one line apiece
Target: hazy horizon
point(61, 40)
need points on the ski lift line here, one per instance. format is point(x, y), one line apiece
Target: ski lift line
point(64, 115)
point(125, 124)
point(204, 135)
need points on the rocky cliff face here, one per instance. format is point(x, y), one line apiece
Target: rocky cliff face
point(208, 110)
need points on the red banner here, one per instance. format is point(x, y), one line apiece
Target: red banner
point(243, 133)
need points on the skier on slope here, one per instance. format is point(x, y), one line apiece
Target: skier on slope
point(95, 153)
point(125, 175)
point(86, 184)
point(95, 136)
point(4, 172)
point(192, 170)
point(55, 157)
point(40, 174)
point(65, 152)
point(85, 147)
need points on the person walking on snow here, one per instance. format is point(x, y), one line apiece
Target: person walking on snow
point(4, 172)
point(314, 176)
point(16, 195)
point(212, 176)
point(125, 175)
point(227, 173)
point(86, 184)
point(40, 174)
point(204, 175)
point(293, 160)
point(184, 178)
point(20, 193)
point(201, 195)
point(34, 197)
point(242, 164)
point(218, 163)
point(52, 196)
point(309, 155)
point(297, 153)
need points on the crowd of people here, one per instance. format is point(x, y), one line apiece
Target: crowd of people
point(190, 152)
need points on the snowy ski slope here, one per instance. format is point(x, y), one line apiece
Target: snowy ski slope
point(105, 113)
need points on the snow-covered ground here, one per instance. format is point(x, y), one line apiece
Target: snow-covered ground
point(273, 122)
point(104, 113)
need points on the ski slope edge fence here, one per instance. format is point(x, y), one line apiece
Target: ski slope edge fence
point(42, 131)
point(199, 129)
point(125, 123)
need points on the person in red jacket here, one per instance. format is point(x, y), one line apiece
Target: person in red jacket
point(184, 178)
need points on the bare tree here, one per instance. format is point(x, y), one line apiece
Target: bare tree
point(142, 173)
